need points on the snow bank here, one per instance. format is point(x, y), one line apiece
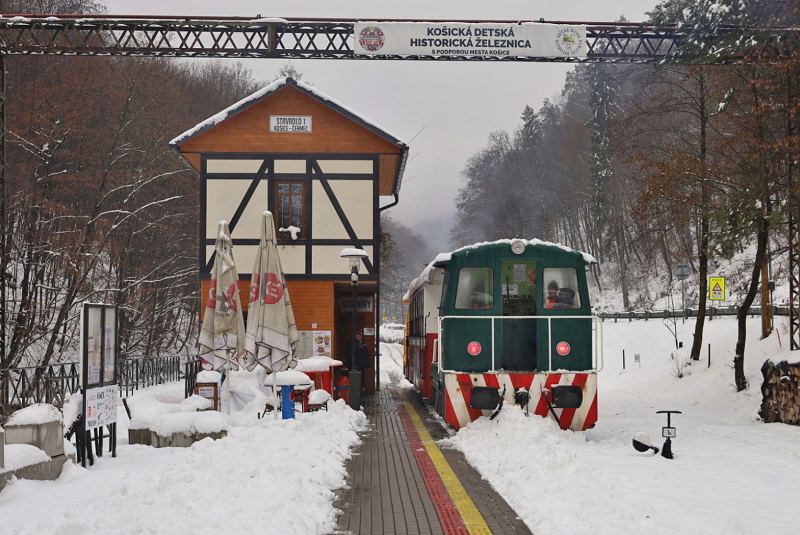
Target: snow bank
point(266, 476)
point(21, 455)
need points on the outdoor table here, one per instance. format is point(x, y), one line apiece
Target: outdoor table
point(289, 380)
point(324, 366)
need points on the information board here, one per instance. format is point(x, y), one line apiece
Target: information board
point(98, 345)
point(101, 406)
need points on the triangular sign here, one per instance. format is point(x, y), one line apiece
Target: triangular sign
point(717, 288)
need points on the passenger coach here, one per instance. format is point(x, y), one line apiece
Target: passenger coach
point(505, 322)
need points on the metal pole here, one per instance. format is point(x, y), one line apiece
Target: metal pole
point(683, 303)
point(377, 350)
point(3, 205)
point(353, 338)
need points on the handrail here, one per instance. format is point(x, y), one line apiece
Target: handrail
point(24, 386)
point(597, 338)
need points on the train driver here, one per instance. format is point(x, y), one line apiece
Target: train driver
point(552, 292)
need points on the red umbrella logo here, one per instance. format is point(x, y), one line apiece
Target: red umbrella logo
point(271, 291)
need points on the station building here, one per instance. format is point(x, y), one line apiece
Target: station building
point(323, 171)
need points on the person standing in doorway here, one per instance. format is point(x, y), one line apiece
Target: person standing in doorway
point(362, 358)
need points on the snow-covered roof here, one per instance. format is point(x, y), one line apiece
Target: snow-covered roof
point(279, 84)
point(264, 92)
point(417, 283)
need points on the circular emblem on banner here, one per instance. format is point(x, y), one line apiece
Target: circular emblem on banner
point(272, 289)
point(569, 41)
point(371, 38)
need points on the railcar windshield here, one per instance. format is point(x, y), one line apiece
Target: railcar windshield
point(518, 286)
point(475, 289)
point(560, 288)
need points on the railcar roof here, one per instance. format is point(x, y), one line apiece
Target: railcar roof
point(442, 259)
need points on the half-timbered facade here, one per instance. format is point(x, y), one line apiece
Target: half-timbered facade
point(323, 171)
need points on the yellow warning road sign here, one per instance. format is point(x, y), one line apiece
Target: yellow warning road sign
point(716, 288)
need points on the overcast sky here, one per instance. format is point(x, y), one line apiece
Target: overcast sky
point(451, 107)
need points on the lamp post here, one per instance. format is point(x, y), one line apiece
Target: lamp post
point(354, 256)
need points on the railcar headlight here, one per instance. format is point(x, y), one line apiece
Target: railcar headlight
point(474, 348)
point(567, 396)
point(562, 348)
point(485, 398)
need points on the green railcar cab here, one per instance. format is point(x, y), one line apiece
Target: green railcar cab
point(507, 322)
point(515, 306)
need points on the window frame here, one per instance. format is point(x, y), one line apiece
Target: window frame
point(290, 195)
point(490, 288)
point(577, 301)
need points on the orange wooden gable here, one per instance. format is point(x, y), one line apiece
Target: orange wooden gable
point(335, 131)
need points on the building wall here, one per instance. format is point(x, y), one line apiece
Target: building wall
point(238, 189)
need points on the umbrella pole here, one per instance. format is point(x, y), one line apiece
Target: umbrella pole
point(228, 392)
point(275, 393)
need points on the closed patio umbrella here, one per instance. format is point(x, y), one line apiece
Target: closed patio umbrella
point(271, 330)
point(222, 332)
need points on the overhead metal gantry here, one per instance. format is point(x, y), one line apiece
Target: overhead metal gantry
point(257, 37)
point(293, 38)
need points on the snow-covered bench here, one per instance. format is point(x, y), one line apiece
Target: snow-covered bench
point(162, 425)
point(33, 445)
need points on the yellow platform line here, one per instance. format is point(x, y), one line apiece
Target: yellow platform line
point(473, 519)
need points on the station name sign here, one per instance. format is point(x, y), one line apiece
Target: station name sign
point(526, 39)
point(295, 124)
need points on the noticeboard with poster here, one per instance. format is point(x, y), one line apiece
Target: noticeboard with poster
point(98, 356)
point(101, 406)
point(321, 344)
point(98, 345)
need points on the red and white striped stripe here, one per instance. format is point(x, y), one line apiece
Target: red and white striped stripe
point(458, 387)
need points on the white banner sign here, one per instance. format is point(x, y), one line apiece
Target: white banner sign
point(101, 406)
point(463, 39)
point(301, 124)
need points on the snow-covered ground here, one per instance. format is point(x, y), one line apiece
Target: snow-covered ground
point(266, 476)
point(731, 474)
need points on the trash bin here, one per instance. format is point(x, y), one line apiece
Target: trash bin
point(355, 389)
